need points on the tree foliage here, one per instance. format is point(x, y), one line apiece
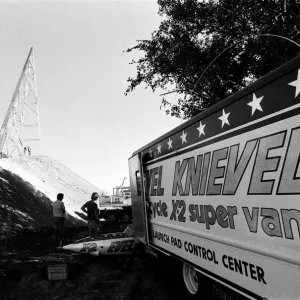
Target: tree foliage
point(193, 33)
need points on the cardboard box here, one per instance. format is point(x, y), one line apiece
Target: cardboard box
point(57, 272)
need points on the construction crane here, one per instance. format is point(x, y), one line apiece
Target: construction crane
point(21, 123)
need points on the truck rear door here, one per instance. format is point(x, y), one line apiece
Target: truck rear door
point(138, 199)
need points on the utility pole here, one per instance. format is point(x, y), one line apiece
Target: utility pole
point(20, 130)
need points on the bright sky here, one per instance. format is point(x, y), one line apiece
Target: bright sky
point(86, 121)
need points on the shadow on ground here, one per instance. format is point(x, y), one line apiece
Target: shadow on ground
point(23, 274)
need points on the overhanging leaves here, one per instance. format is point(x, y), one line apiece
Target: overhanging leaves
point(192, 34)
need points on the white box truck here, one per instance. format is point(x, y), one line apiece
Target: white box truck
point(221, 193)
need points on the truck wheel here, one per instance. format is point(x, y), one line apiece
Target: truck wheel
point(190, 279)
point(184, 282)
point(126, 218)
point(111, 217)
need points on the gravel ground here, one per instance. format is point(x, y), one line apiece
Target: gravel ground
point(89, 278)
point(23, 275)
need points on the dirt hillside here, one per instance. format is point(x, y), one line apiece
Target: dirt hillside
point(29, 185)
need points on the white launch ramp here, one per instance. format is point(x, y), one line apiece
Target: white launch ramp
point(20, 131)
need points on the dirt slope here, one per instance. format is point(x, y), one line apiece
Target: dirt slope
point(29, 185)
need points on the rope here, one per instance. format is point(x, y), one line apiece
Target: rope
point(56, 257)
point(59, 257)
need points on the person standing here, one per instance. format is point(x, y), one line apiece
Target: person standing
point(59, 213)
point(91, 209)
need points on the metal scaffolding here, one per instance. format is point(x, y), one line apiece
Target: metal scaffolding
point(20, 132)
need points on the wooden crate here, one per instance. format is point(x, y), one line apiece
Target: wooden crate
point(57, 272)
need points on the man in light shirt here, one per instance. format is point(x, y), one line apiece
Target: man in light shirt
point(59, 212)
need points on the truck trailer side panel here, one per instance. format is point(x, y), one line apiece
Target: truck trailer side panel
point(221, 191)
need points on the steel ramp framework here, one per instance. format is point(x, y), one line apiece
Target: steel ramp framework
point(21, 127)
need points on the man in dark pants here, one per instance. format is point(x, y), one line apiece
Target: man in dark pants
point(59, 212)
point(91, 209)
